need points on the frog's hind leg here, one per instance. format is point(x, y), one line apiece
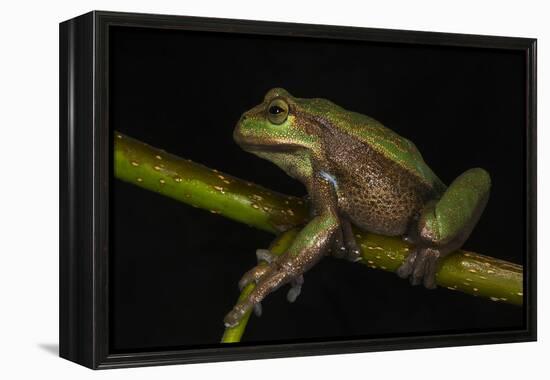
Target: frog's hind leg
point(444, 225)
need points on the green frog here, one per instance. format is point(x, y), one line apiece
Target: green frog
point(358, 173)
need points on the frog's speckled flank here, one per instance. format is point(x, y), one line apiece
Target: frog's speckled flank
point(358, 172)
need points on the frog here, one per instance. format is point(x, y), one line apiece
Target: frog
point(358, 174)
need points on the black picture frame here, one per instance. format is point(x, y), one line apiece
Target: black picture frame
point(85, 182)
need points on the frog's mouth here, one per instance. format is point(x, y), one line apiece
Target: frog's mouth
point(258, 147)
point(251, 144)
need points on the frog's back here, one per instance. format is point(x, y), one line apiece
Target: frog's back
point(380, 138)
point(395, 147)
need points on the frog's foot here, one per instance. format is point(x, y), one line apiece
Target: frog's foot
point(273, 279)
point(265, 260)
point(420, 266)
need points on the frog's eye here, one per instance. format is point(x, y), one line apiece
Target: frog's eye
point(277, 111)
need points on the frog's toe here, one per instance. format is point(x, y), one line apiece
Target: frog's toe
point(405, 270)
point(264, 255)
point(430, 269)
point(296, 289)
point(253, 275)
point(234, 317)
point(418, 271)
point(258, 309)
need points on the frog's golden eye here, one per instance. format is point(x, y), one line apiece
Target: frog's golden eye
point(277, 111)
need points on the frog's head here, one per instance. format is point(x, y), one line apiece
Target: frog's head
point(281, 129)
point(281, 123)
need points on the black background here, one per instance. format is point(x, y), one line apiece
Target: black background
point(174, 269)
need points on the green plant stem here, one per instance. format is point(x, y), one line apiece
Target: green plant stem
point(194, 184)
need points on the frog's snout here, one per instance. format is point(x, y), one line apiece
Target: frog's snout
point(237, 135)
point(243, 117)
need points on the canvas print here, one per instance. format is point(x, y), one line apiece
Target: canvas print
point(269, 189)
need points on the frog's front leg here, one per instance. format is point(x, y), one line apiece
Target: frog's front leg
point(444, 225)
point(309, 246)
